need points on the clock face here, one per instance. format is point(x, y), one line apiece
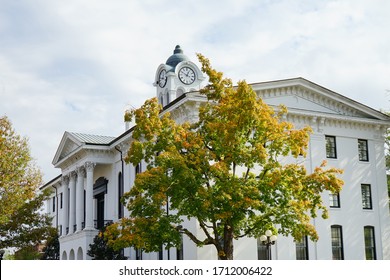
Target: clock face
point(186, 75)
point(162, 78)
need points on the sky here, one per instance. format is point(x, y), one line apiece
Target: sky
point(77, 65)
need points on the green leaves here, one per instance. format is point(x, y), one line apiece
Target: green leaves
point(21, 224)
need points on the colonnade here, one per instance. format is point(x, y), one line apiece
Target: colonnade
point(74, 184)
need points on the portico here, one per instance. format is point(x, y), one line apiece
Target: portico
point(83, 191)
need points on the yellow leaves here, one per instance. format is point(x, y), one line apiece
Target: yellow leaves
point(206, 168)
point(326, 179)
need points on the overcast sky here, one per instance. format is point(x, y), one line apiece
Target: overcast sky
point(76, 65)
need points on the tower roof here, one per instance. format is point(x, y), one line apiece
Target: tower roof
point(177, 57)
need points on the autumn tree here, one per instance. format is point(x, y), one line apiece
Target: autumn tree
point(224, 170)
point(21, 223)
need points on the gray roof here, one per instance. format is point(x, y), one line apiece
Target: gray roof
point(92, 139)
point(176, 58)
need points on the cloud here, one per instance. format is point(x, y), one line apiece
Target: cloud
point(76, 65)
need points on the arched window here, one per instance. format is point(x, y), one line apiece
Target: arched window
point(337, 242)
point(99, 193)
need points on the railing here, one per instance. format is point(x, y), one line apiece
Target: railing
point(99, 224)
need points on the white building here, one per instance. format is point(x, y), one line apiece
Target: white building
point(349, 135)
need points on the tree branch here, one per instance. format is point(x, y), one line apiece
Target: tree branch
point(207, 241)
point(247, 173)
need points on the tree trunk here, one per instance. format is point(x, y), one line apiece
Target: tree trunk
point(227, 243)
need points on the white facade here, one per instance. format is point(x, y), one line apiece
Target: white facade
point(88, 190)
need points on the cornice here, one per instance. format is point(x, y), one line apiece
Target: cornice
point(84, 153)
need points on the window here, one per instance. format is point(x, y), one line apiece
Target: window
point(366, 196)
point(337, 243)
point(138, 168)
point(262, 253)
point(334, 200)
point(161, 253)
point(301, 249)
point(180, 250)
point(138, 254)
point(54, 203)
point(120, 194)
point(61, 200)
point(369, 243)
point(363, 150)
point(331, 147)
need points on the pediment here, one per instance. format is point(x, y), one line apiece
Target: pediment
point(297, 102)
point(72, 142)
point(302, 95)
point(68, 145)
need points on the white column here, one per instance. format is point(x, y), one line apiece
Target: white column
point(80, 198)
point(65, 210)
point(89, 166)
point(72, 201)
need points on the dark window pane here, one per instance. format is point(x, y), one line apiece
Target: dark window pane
point(366, 196)
point(330, 146)
point(363, 150)
point(301, 249)
point(369, 242)
point(334, 200)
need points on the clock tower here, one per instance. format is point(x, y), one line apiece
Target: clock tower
point(177, 76)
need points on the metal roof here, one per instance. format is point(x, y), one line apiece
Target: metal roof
point(92, 139)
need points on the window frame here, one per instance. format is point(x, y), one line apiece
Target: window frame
point(337, 242)
point(331, 151)
point(120, 194)
point(138, 254)
point(366, 199)
point(53, 204)
point(302, 249)
point(180, 250)
point(363, 150)
point(334, 197)
point(369, 243)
